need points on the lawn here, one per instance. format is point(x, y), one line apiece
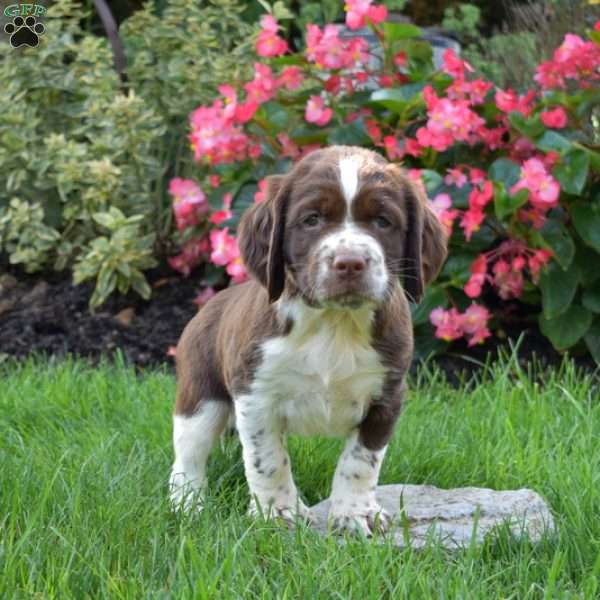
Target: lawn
point(85, 454)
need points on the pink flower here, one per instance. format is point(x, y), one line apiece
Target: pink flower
point(290, 78)
point(316, 112)
point(508, 101)
point(453, 65)
point(263, 87)
point(401, 59)
point(268, 42)
point(222, 215)
point(451, 325)
point(480, 197)
point(214, 181)
point(449, 122)
point(447, 323)
point(392, 149)
point(236, 270)
point(374, 131)
point(543, 189)
point(536, 261)
point(508, 280)
point(224, 247)
point(455, 177)
point(358, 11)
point(189, 202)
point(204, 296)
point(557, 118)
point(327, 50)
point(191, 255)
point(234, 111)
point(261, 194)
point(476, 176)
point(412, 147)
point(172, 351)
point(441, 206)
point(474, 323)
point(215, 137)
point(478, 277)
point(575, 60)
point(288, 148)
point(471, 221)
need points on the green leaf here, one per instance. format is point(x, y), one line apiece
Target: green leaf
point(567, 329)
point(431, 179)
point(105, 219)
point(592, 340)
point(587, 261)
point(140, 285)
point(553, 141)
point(397, 99)
point(586, 218)
point(400, 31)
point(505, 171)
point(558, 289)
point(350, 134)
point(434, 297)
point(591, 299)
point(559, 240)
point(529, 127)
point(504, 203)
point(276, 115)
point(572, 171)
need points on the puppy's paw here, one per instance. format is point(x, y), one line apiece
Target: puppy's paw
point(289, 511)
point(365, 519)
point(185, 494)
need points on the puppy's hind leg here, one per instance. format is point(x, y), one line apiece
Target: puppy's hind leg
point(193, 438)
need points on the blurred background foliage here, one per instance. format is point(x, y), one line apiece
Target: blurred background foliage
point(77, 142)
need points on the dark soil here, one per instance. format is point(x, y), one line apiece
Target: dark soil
point(50, 316)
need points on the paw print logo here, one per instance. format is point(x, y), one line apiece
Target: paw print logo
point(24, 31)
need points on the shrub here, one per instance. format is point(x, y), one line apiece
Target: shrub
point(529, 33)
point(76, 145)
point(514, 177)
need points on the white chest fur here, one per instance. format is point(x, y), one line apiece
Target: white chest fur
point(321, 377)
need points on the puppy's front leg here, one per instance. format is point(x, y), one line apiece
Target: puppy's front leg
point(266, 462)
point(353, 503)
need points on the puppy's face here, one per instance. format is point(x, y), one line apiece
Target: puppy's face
point(340, 229)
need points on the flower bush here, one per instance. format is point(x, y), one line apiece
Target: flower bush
point(76, 143)
point(514, 177)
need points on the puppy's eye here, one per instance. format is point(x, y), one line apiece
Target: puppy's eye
point(382, 222)
point(312, 220)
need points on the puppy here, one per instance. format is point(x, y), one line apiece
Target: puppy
point(318, 342)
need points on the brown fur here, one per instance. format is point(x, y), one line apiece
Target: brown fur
point(220, 348)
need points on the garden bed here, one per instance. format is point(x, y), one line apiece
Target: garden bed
point(49, 315)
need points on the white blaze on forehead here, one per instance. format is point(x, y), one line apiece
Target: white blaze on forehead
point(349, 177)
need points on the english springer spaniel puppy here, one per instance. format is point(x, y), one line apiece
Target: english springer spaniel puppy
point(318, 342)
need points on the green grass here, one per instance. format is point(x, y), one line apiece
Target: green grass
point(85, 455)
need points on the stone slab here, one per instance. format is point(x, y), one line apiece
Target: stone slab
point(454, 517)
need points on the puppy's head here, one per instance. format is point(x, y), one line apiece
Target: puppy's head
point(340, 228)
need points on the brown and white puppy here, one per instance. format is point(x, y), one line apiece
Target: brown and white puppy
point(318, 343)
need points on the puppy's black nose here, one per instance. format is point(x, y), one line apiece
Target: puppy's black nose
point(349, 265)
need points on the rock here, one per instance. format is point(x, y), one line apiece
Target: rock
point(125, 316)
point(451, 515)
point(7, 283)
point(36, 295)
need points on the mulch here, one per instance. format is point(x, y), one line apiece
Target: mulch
point(48, 315)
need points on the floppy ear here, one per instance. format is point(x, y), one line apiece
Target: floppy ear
point(260, 238)
point(426, 242)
